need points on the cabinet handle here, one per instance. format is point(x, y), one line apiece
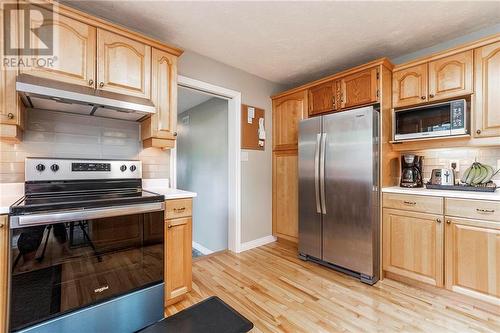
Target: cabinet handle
point(431, 95)
point(10, 115)
point(478, 131)
point(333, 101)
point(101, 84)
point(438, 220)
point(91, 82)
point(448, 221)
point(487, 211)
point(178, 210)
point(422, 97)
point(411, 203)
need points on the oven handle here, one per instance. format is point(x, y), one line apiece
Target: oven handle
point(22, 221)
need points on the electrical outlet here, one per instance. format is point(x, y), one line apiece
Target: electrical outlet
point(457, 163)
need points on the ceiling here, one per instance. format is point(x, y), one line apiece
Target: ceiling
point(294, 42)
point(189, 98)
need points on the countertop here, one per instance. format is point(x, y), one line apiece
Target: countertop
point(493, 196)
point(10, 193)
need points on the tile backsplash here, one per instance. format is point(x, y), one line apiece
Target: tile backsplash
point(63, 135)
point(442, 158)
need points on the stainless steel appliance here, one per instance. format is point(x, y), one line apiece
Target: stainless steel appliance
point(442, 177)
point(339, 192)
point(86, 248)
point(411, 171)
point(435, 120)
point(46, 94)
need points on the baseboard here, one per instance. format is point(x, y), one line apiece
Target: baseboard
point(257, 242)
point(201, 248)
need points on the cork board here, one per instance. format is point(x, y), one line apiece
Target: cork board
point(250, 131)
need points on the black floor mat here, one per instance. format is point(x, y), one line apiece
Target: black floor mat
point(36, 295)
point(209, 316)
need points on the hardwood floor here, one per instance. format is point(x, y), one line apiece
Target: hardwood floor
point(280, 293)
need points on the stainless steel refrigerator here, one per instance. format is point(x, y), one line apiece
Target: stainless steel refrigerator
point(339, 192)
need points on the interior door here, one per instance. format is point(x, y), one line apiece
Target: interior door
point(350, 221)
point(309, 200)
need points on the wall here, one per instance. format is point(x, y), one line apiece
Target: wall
point(56, 134)
point(256, 172)
point(202, 167)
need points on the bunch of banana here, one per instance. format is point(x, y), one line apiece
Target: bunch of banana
point(477, 174)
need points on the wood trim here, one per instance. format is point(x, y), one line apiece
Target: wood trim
point(381, 61)
point(4, 272)
point(158, 143)
point(110, 26)
point(461, 48)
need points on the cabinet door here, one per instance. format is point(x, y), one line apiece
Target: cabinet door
point(323, 98)
point(359, 88)
point(123, 65)
point(487, 106)
point(178, 254)
point(4, 271)
point(285, 195)
point(473, 258)
point(413, 245)
point(74, 49)
point(288, 111)
point(451, 76)
point(409, 86)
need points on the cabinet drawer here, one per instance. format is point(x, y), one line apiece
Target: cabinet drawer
point(416, 203)
point(178, 208)
point(473, 209)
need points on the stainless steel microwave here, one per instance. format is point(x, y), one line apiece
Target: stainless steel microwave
point(434, 120)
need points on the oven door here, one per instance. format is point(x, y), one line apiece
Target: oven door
point(67, 265)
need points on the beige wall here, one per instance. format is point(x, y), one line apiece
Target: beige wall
point(256, 173)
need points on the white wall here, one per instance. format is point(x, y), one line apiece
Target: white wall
point(202, 167)
point(256, 173)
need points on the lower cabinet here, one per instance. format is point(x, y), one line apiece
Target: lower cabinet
point(473, 258)
point(4, 269)
point(413, 245)
point(178, 254)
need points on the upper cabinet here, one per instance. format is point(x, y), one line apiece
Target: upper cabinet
point(159, 129)
point(323, 98)
point(123, 65)
point(288, 111)
point(74, 45)
point(409, 86)
point(436, 80)
point(451, 76)
point(359, 88)
point(487, 107)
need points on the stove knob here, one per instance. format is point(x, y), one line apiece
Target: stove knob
point(123, 168)
point(133, 168)
point(54, 167)
point(40, 167)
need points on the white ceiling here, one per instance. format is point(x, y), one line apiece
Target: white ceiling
point(293, 42)
point(189, 98)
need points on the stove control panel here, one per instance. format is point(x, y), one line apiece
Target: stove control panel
point(47, 169)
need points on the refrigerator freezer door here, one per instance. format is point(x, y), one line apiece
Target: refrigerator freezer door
point(309, 195)
point(351, 194)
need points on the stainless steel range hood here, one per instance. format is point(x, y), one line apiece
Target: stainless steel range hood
point(46, 94)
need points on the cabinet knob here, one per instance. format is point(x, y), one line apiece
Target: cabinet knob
point(478, 131)
point(448, 221)
point(422, 97)
point(438, 220)
point(101, 84)
point(91, 82)
point(169, 226)
point(1, 225)
point(175, 133)
point(431, 95)
point(333, 101)
point(10, 115)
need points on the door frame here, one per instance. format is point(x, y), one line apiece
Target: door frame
point(234, 154)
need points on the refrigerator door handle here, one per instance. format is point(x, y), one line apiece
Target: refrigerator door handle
point(316, 172)
point(322, 174)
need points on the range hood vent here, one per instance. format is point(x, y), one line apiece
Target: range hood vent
point(46, 94)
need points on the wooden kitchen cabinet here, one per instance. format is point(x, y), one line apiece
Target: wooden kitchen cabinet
point(123, 65)
point(473, 258)
point(409, 86)
point(285, 195)
point(178, 253)
point(487, 88)
point(4, 271)
point(413, 245)
point(323, 98)
point(74, 47)
point(288, 111)
point(451, 76)
point(359, 89)
point(159, 129)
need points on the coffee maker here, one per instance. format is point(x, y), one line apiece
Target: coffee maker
point(411, 171)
